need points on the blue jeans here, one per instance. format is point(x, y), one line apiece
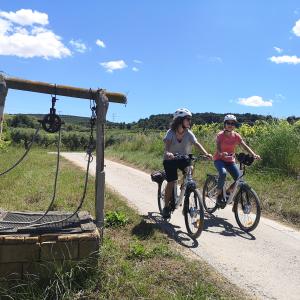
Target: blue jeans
point(222, 168)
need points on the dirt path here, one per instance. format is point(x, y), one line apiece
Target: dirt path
point(265, 263)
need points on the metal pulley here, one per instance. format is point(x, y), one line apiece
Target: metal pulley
point(52, 122)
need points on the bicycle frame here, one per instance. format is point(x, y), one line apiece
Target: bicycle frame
point(237, 184)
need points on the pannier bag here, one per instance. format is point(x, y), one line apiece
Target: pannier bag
point(158, 176)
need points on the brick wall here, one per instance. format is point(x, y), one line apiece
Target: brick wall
point(20, 255)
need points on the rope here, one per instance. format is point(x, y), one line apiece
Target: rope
point(25, 154)
point(54, 190)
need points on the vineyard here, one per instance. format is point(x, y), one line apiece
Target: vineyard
point(276, 177)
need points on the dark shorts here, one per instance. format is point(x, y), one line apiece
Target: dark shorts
point(172, 165)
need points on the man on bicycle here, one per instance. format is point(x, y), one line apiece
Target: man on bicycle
point(178, 141)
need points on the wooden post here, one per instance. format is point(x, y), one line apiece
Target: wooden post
point(101, 110)
point(3, 93)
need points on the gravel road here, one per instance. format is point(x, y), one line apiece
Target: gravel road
point(266, 263)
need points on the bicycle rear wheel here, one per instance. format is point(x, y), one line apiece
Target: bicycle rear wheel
point(247, 209)
point(193, 213)
point(209, 194)
point(161, 195)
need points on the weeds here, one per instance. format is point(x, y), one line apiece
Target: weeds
point(115, 219)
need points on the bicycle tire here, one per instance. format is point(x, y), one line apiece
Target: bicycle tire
point(193, 213)
point(209, 201)
point(161, 195)
point(247, 202)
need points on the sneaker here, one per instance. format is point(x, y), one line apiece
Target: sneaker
point(220, 201)
point(166, 213)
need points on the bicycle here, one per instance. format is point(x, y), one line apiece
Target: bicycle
point(187, 192)
point(246, 203)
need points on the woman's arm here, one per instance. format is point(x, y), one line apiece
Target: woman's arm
point(249, 150)
point(201, 148)
point(167, 153)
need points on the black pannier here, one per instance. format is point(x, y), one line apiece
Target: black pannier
point(158, 176)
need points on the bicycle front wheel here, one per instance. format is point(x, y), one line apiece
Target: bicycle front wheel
point(247, 209)
point(209, 195)
point(161, 195)
point(193, 213)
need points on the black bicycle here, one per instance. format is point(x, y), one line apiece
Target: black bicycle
point(187, 192)
point(246, 203)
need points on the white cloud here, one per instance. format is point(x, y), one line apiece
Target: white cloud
point(110, 66)
point(285, 59)
point(100, 43)
point(137, 61)
point(215, 59)
point(296, 28)
point(25, 17)
point(134, 69)
point(31, 41)
point(78, 46)
point(256, 101)
point(277, 49)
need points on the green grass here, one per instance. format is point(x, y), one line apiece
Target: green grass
point(136, 261)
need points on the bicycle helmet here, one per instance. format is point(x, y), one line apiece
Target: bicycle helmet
point(181, 112)
point(230, 118)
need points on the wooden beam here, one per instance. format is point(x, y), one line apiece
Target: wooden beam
point(68, 91)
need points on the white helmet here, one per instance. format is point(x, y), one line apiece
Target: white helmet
point(181, 112)
point(230, 118)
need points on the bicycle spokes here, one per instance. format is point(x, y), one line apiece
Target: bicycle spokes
point(247, 209)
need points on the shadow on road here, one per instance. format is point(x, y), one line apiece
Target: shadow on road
point(154, 221)
point(219, 225)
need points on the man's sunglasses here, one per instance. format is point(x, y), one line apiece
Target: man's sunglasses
point(230, 123)
point(188, 118)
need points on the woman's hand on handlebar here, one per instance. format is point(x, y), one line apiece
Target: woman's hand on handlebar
point(169, 155)
point(208, 156)
point(256, 156)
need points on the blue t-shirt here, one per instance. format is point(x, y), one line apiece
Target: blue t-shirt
point(185, 146)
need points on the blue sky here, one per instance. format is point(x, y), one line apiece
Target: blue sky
point(209, 56)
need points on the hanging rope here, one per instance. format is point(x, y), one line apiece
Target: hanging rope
point(89, 151)
point(25, 154)
point(54, 190)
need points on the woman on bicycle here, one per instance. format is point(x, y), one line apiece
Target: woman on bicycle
point(224, 159)
point(178, 140)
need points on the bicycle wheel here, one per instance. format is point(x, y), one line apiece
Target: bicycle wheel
point(247, 209)
point(209, 194)
point(193, 213)
point(161, 195)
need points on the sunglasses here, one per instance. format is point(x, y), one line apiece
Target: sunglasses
point(230, 123)
point(189, 119)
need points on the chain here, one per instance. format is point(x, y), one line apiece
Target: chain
point(91, 145)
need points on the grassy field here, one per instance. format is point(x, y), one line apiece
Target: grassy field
point(136, 261)
point(274, 181)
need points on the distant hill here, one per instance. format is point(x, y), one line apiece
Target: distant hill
point(160, 121)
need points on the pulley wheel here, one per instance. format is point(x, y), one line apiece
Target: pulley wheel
point(51, 123)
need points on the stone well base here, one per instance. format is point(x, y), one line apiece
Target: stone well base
point(37, 254)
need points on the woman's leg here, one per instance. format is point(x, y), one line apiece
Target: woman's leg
point(233, 170)
point(220, 166)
